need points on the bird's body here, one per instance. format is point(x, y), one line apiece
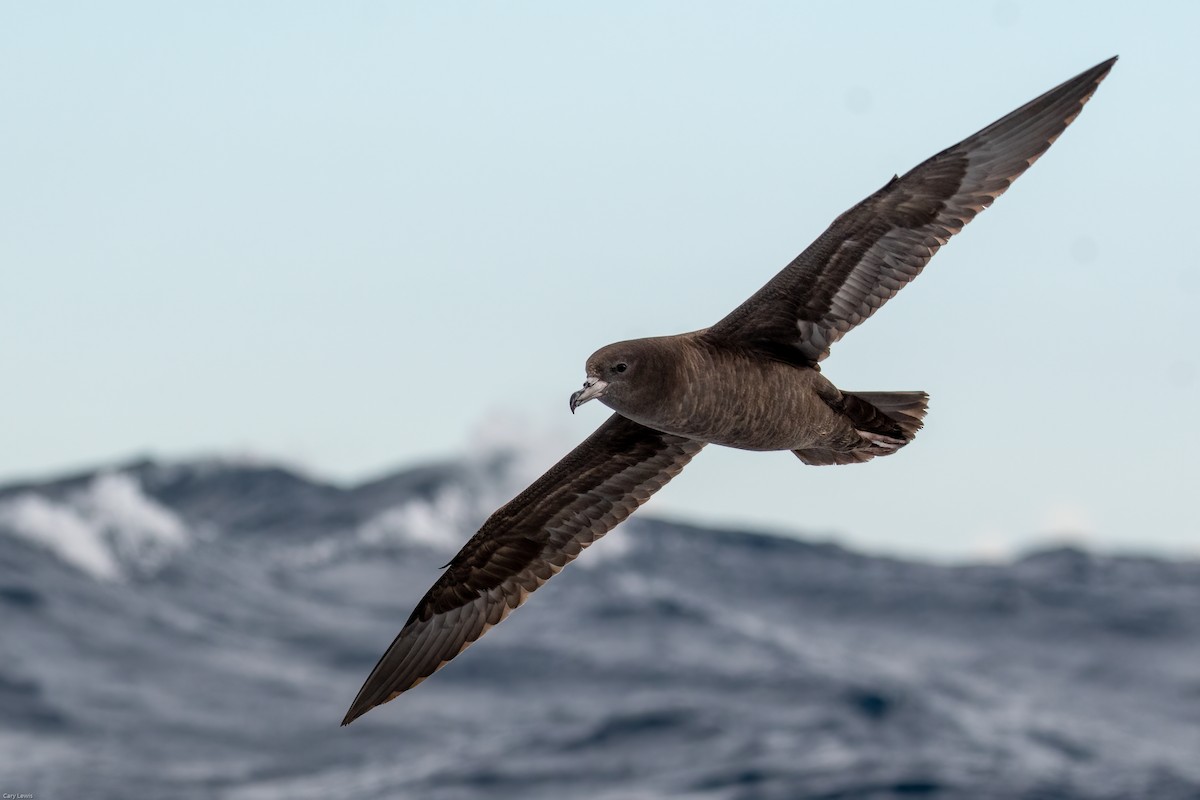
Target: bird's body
point(735, 396)
point(751, 381)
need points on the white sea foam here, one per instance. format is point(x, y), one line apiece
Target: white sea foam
point(532, 447)
point(507, 453)
point(108, 529)
point(615, 545)
point(438, 523)
point(62, 530)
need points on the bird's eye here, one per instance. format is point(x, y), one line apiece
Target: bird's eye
point(621, 367)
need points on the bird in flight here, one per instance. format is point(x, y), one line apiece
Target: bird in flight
point(751, 381)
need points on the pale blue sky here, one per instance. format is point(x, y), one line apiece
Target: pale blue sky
point(357, 235)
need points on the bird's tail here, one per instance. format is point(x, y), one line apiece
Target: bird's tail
point(906, 409)
point(886, 421)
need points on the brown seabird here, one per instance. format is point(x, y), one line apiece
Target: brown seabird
point(751, 381)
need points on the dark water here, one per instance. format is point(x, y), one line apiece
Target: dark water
point(239, 609)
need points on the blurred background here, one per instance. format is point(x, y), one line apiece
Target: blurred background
point(295, 294)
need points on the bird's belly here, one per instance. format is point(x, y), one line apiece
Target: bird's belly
point(775, 408)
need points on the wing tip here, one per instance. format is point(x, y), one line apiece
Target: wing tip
point(362, 705)
point(356, 710)
point(1099, 72)
point(1093, 77)
point(359, 707)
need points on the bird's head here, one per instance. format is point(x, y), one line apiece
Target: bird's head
point(622, 374)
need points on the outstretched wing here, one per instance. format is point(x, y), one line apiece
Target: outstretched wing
point(523, 545)
point(874, 249)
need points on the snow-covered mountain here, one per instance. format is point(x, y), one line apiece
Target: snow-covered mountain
point(196, 630)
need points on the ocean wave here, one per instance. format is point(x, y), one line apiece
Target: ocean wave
point(109, 529)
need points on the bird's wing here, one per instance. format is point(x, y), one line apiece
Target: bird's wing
point(874, 249)
point(523, 545)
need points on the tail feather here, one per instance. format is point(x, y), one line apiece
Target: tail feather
point(906, 409)
point(886, 421)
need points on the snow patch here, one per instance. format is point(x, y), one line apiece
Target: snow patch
point(107, 530)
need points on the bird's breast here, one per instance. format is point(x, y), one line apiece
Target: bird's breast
point(743, 402)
